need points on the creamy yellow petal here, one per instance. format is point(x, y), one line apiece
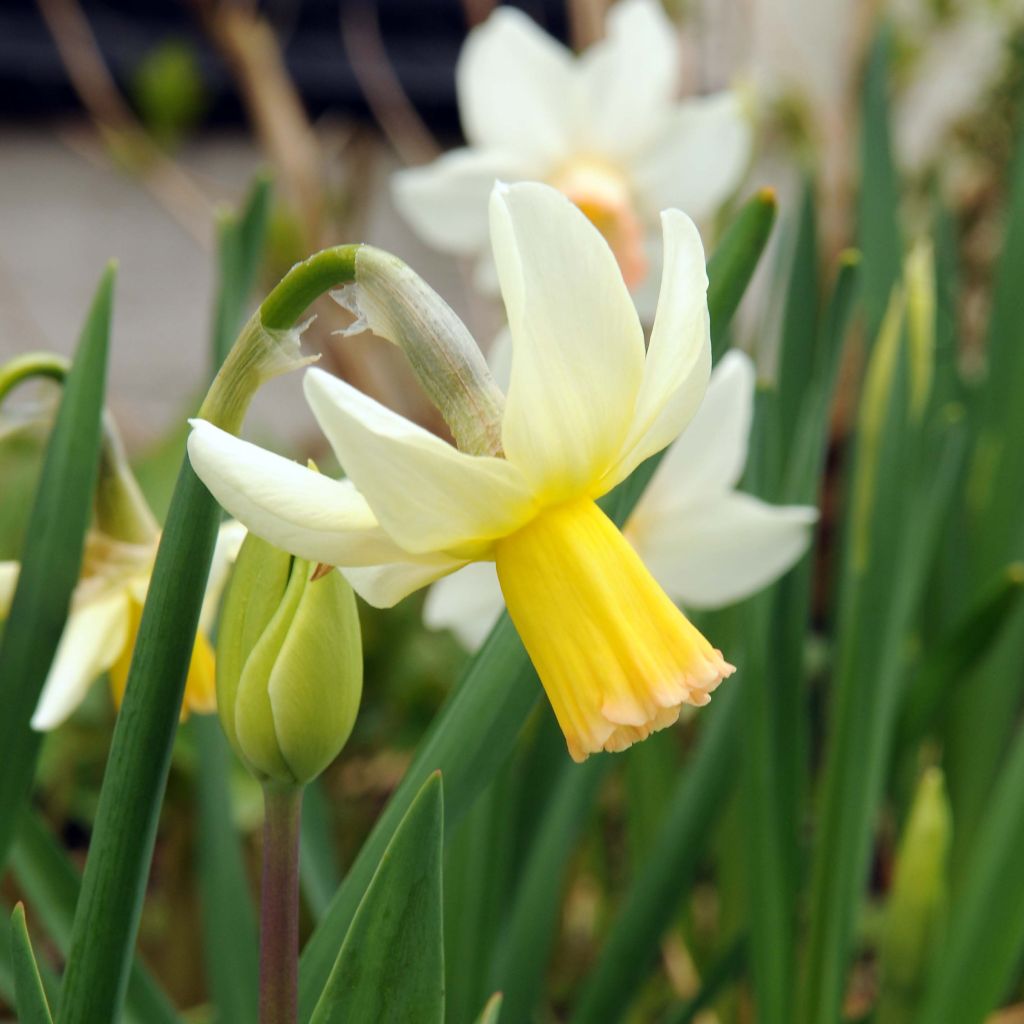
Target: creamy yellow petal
point(383, 586)
point(292, 507)
point(578, 348)
point(427, 494)
point(678, 364)
point(95, 636)
point(614, 654)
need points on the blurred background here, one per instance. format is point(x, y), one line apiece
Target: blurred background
point(127, 127)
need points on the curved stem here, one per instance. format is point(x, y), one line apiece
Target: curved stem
point(305, 283)
point(279, 905)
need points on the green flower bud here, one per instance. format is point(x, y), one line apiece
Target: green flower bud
point(289, 664)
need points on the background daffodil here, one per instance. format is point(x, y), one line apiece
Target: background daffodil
point(586, 404)
point(706, 543)
point(606, 128)
point(105, 613)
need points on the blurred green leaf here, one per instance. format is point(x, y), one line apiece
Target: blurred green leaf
point(169, 91)
point(241, 243)
point(391, 965)
point(475, 731)
point(489, 1014)
point(916, 908)
point(724, 970)
point(661, 882)
point(318, 866)
point(28, 985)
point(230, 941)
point(531, 928)
point(51, 558)
point(985, 935)
point(51, 885)
point(879, 208)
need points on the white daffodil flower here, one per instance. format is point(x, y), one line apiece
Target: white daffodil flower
point(706, 543)
point(586, 404)
point(605, 128)
point(106, 609)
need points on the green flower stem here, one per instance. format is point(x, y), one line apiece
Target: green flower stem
point(113, 885)
point(279, 905)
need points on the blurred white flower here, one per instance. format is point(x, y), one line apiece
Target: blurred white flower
point(106, 609)
point(605, 128)
point(706, 543)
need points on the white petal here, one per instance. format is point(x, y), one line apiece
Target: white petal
point(499, 358)
point(383, 586)
point(446, 201)
point(93, 639)
point(679, 356)
point(427, 494)
point(630, 78)
point(578, 348)
point(698, 159)
point(726, 549)
point(711, 453)
point(8, 582)
point(468, 603)
point(292, 507)
point(517, 88)
point(225, 551)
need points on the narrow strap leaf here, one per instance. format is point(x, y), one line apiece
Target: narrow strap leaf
point(51, 557)
point(390, 967)
point(28, 985)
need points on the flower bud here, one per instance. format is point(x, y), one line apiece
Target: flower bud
point(289, 664)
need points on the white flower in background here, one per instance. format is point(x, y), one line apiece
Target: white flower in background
point(605, 128)
point(106, 609)
point(586, 404)
point(706, 543)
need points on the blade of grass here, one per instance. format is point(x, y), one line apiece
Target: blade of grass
point(51, 557)
point(475, 731)
point(32, 1005)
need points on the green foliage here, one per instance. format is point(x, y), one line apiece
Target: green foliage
point(391, 965)
point(32, 1005)
point(51, 557)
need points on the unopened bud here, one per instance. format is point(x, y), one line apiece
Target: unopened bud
point(289, 664)
point(919, 282)
point(395, 303)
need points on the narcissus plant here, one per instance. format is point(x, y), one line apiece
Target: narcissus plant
point(587, 402)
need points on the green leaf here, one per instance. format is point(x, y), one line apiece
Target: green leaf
point(391, 964)
point(241, 241)
point(51, 885)
point(532, 926)
point(475, 731)
point(660, 883)
point(318, 866)
point(490, 1013)
point(725, 969)
point(880, 238)
point(51, 558)
point(985, 935)
point(28, 985)
point(230, 942)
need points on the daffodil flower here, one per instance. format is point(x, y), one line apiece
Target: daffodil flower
point(706, 543)
point(605, 128)
point(586, 404)
point(106, 609)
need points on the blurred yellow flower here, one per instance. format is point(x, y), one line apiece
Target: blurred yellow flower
point(106, 609)
point(587, 403)
point(605, 128)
